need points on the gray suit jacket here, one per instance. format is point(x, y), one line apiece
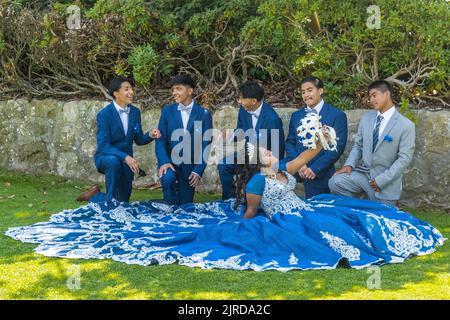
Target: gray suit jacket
point(392, 155)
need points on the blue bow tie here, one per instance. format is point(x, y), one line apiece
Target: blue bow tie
point(308, 110)
point(124, 110)
point(184, 108)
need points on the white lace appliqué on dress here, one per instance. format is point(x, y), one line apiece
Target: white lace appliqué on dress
point(339, 245)
point(279, 197)
point(402, 238)
point(293, 259)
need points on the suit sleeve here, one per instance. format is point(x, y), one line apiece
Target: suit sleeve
point(405, 154)
point(139, 137)
point(104, 139)
point(160, 145)
point(291, 151)
point(326, 158)
point(206, 145)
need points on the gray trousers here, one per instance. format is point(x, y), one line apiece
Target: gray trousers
point(356, 182)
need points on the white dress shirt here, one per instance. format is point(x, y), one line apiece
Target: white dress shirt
point(185, 113)
point(387, 115)
point(318, 107)
point(255, 115)
point(123, 116)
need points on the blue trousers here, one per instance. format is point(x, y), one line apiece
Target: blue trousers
point(119, 179)
point(316, 186)
point(226, 174)
point(175, 185)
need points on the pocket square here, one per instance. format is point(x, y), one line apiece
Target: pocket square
point(388, 138)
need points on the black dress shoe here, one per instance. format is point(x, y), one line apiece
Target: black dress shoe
point(344, 263)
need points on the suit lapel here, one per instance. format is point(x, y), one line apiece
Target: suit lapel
point(116, 117)
point(302, 114)
point(387, 129)
point(130, 122)
point(324, 114)
point(247, 119)
point(261, 117)
point(192, 116)
point(177, 115)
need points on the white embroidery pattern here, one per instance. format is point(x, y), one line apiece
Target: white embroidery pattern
point(402, 238)
point(150, 233)
point(339, 245)
point(162, 207)
point(293, 259)
point(120, 214)
point(279, 197)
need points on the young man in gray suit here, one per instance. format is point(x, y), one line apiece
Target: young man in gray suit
point(382, 150)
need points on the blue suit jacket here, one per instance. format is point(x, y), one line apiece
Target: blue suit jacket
point(111, 138)
point(323, 164)
point(268, 119)
point(170, 121)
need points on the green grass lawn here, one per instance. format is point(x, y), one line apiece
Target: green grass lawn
point(26, 199)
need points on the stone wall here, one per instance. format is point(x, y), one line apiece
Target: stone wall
point(49, 136)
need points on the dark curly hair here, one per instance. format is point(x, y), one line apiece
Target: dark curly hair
point(244, 173)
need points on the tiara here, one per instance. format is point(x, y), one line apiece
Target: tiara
point(311, 129)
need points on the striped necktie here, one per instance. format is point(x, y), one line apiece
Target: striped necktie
point(376, 132)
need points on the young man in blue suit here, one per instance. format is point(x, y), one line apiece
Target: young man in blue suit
point(316, 174)
point(182, 151)
point(257, 115)
point(118, 126)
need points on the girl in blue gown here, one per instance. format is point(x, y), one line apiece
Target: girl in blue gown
point(266, 227)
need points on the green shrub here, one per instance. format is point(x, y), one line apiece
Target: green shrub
point(405, 109)
point(223, 43)
point(144, 61)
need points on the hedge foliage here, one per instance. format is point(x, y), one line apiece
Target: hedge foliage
point(223, 43)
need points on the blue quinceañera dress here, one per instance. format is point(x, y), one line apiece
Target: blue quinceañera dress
point(325, 232)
